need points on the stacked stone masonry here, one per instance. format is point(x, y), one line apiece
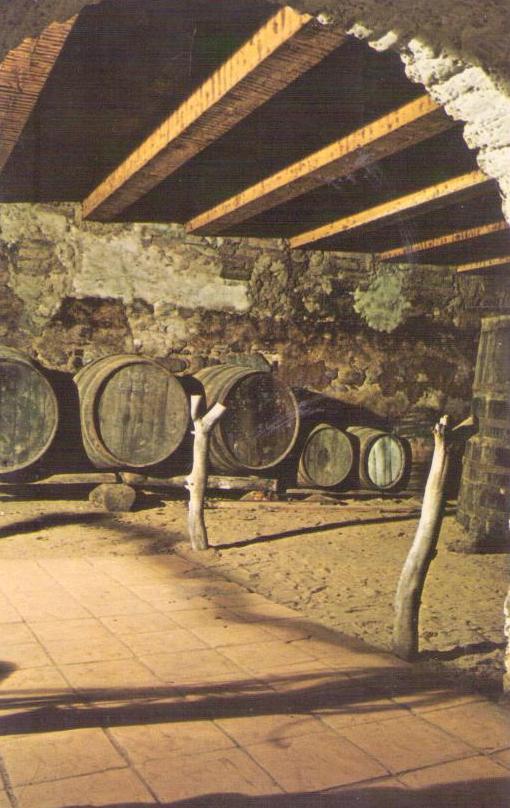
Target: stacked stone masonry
point(388, 338)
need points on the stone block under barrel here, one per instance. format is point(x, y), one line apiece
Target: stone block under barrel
point(134, 412)
point(28, 412)
point(484, 496)
point(327, 458)
point(261, 424)
point(383, 458)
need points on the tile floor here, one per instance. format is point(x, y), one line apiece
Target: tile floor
point(134, 681)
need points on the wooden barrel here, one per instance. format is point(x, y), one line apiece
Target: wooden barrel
point(416, 428)
point(327, 458)
point(382, 458)
point(134, 412)
point(261, 423)
point(28, 412)
point(484, 496)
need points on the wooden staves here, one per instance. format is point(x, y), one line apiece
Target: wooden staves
point(134, 412)
point(28, 412)
point(327, 458)
point(484, 497)
point(382, 458)
point(261, 424)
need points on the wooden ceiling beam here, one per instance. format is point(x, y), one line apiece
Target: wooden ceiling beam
point(444, 241)
point(23, 74)
point(412, 123)
point(285, 47)
point(434, 196)
point(485, 264)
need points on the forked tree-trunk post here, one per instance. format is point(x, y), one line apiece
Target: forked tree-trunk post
point(197, 480)
point(423, 548)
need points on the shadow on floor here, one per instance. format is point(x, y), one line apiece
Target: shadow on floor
point(107, 520)
point(484, 647)
point(302, 531)
point(475, 793)
point(330, 691)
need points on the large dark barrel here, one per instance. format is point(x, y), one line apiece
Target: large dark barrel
point(382, 458)
point(327, 458)
point(134, 412)
point(28, 412)
point(484, 497)
point(261, 423)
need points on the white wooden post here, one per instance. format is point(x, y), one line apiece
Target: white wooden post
point(423, 548)
point(197, 481)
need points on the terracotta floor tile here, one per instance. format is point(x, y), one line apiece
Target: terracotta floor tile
point(251, 729)
point(317, 761)
point(482, 724)
point(476, 781)
point(156, 741)
point(502, 757)
point(38, 757)
point(362, 710)
point(406, 743)
point(139, 623)
point(161, 642)
point(173, 605)
point(359, 793)
point(203, 617)
point(26, 655)
point(28, 693)
point(306, 678)
point(85, 628)
point(345, 656)
point(227, 771)
point(286, 629)
point(190, 665)
point(421, 698)
point(116, 788)
point(87, 649)
point(263, 609)
point(226, 632)
point(15, 634)
point(29, 682)
point(106, 607)
point(155, 593)
point(8, 614)
point(112, 675)
point(266, 656)
point(45, 605)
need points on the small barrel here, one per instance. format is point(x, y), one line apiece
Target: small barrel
point(382, 458)
point(28, 412)
point(261, 424)
point(484, 496)
point(327, 458)
point(416, 428)
point(134, 412)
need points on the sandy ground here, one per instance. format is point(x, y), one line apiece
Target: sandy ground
point(335, 560)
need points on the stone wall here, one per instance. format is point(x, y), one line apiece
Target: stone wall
point(383, 337)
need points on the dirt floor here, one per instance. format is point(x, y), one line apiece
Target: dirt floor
point(337, 560)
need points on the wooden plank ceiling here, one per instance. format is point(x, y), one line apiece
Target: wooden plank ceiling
point(238, 119)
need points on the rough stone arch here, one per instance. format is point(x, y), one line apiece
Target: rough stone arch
point(456, 48)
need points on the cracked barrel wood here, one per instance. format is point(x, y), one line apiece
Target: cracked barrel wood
point(327, 458)
point(261, 424)
point(134, 412)
point(28, 412)
point(484, 496)
point(383, 458)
